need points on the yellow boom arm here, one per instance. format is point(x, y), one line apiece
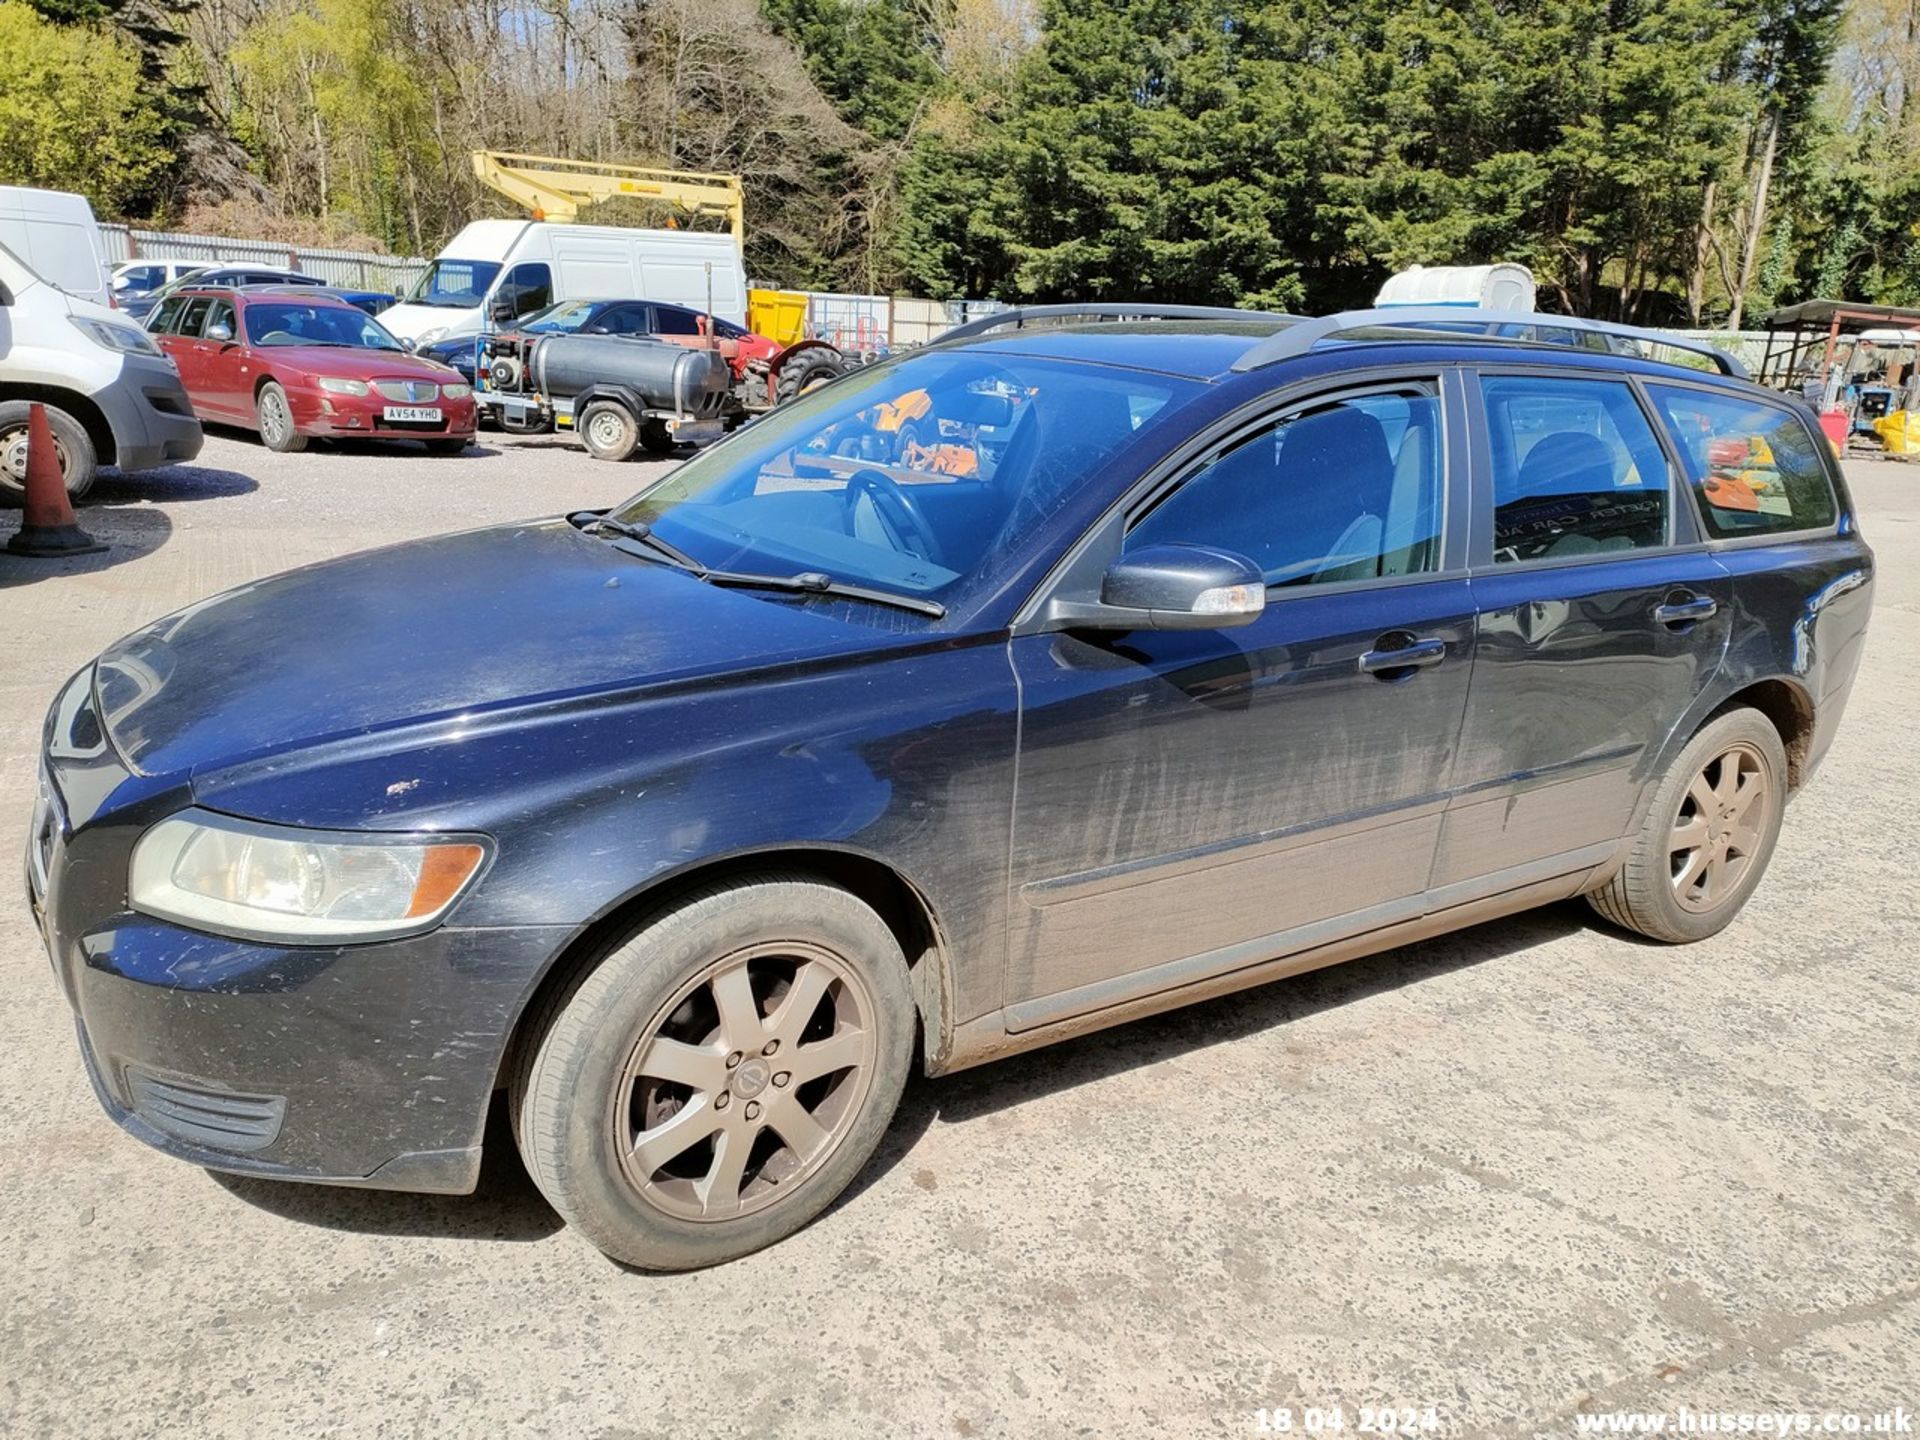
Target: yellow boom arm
point(555, 189)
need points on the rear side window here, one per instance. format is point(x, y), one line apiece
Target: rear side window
point(1343, 491)
point(195, 314)
point(1756, 468)
point(1577, 469)
point(166, 314)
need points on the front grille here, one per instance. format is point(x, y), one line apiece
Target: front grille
point(407, 392)
point(217, 1119)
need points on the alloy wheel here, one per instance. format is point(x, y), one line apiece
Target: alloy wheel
point(744, 1082)
point(1721, 826)
point(274, 422)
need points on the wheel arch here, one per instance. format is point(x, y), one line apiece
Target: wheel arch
point(1789, 707)
point(900, 903)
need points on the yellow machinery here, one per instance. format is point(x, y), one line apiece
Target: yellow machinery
point(555, 189)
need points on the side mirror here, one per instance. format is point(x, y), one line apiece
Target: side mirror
point(504, 306)
point(221, 333)
point(1172, 587)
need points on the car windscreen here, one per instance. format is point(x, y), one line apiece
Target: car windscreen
point(295, 323)
point(906, 476)
point(457, 284)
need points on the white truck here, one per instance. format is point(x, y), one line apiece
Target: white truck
point(494, 272)
point(111, 397)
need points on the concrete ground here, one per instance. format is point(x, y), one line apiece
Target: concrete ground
point(1521, 1172)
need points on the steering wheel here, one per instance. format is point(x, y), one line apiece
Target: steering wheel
point(900, 512)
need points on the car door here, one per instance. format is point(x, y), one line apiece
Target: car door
point(1193, 802)
point(1601, 616)
point(189, 354)
point(222, 360)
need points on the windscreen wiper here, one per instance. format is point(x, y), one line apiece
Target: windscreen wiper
point(602, 524)
point(814, 582)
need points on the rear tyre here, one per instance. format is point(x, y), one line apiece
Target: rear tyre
point(608, 430)
point(806, 373)
point(275, 419)
point(72, 446)
point(656, 439)
point(721, 1076)
point(1707, 836)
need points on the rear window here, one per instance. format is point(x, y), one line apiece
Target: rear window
point(1577, 469)
point(1755, 467)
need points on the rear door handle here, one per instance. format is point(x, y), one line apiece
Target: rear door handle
point(1398, 653)
point(1685, 609)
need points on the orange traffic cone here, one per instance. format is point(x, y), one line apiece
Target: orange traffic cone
point(47, 528)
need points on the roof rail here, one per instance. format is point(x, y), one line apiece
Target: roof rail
point(1300, 337)
point(1022, 315)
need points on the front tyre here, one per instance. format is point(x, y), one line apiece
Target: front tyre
point(274, 416)
point(72, 447)
point(1708, 835)
point(721, 1076)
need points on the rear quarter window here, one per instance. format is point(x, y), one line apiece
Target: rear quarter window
point(1756, 468)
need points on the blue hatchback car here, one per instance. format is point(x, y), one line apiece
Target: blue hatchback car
point(1180, 651)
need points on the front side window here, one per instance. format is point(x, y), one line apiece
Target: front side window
point(218, 313)
point(1756, 468)
point(1577, 469)
point(672, 320)
point(1348, 490)
point(529, 287)
point(623, 320)
point(911, 476)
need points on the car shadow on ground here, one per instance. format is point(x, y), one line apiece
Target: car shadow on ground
point(351, 445)
point(507, 1206)
point(120, 512)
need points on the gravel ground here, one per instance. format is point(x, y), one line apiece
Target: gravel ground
point(1514, 1174)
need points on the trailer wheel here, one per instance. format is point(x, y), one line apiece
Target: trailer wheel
point(609, 430)
point(656, 439)
point(806, 373)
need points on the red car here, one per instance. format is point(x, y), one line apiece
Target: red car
point(297, 366)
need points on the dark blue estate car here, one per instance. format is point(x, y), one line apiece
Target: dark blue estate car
point(1176, 654)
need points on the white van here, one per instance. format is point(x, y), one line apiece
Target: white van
point(111, 397)
point(56, 234)
point(1484, 287)
point(495, 271)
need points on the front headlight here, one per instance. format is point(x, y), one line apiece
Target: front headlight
point(123, 338)
point(337, 386)
point(456, 392)
point(429, 337)
point(304, 887)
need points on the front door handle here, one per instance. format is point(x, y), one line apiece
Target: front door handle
point(1398, 653)
point(1684, 608)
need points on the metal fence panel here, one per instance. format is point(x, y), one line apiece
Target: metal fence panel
point(352, 269)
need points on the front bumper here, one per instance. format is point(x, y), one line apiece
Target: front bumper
point(150, 416)
point(327, 416)
point(364, 1065)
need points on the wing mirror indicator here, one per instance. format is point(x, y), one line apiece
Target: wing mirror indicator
point(1171, 587)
